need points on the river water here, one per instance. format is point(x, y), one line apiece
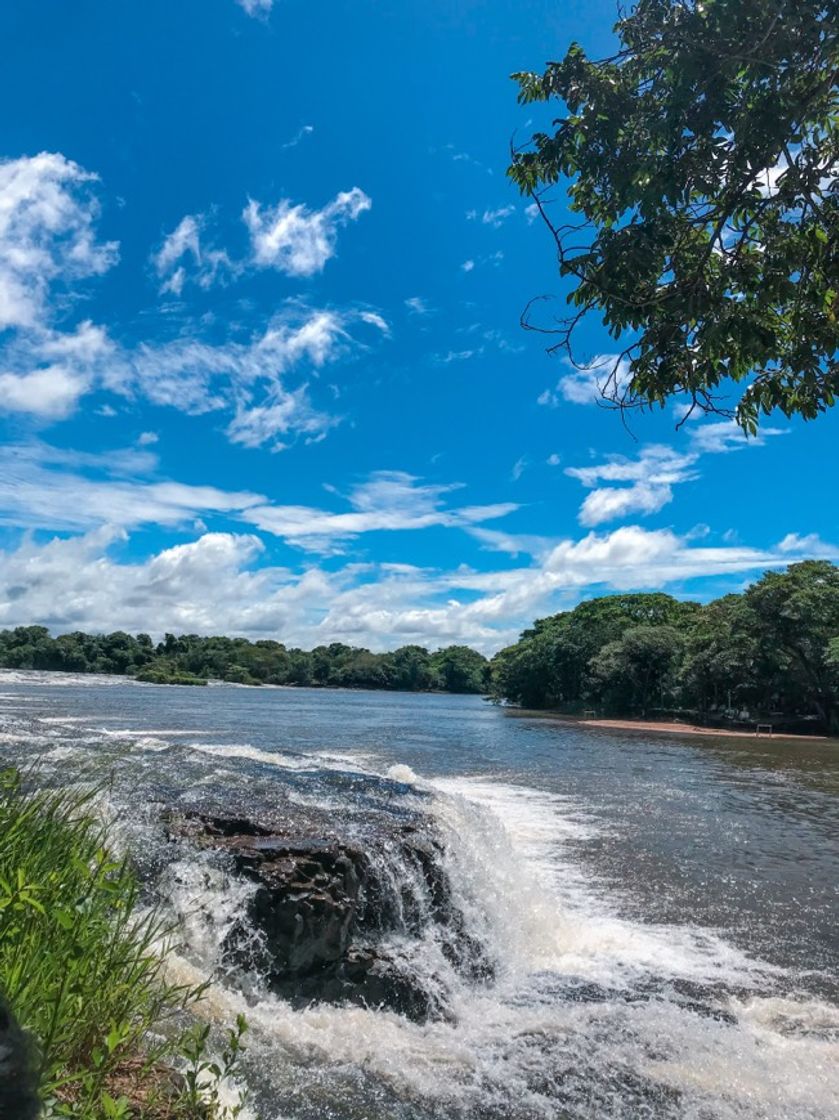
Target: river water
point(662, 912)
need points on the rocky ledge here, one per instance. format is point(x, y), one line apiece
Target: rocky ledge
point(325, 909)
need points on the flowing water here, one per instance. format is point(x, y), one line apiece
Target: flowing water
point(660, 913)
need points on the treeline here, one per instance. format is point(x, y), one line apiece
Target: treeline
point(770, 654)
point(191, 658)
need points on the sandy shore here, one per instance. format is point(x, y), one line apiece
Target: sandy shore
point(672, 728)
point(693, 729)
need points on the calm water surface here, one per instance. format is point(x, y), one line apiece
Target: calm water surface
point(663, 910)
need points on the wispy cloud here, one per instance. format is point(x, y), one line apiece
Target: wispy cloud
point(296, 240)
point(388, 500)
point(301, 134)
point(418, 306)
point(182, 256)
point(587, 385)
point(495, 218)
point(256, 8)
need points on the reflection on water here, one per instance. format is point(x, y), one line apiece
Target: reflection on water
point(662, 912)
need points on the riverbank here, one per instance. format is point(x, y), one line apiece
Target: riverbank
point(673, 727)
point(82, 968)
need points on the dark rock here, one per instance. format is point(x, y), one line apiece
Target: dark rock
point(18, 1081)
point(322, 904)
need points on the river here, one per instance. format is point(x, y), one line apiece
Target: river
point(662, 913)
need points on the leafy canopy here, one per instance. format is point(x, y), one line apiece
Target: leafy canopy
point(703, 160)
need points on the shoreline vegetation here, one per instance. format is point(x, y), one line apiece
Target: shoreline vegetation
point(768, 656)
point(105, 1036)
point(190, 659)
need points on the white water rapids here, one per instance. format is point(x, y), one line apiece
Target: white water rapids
point(590, 1013)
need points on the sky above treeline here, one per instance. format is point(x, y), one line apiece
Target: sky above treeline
point(261, 274)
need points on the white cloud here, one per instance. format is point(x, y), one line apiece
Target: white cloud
point(296, 240)
point(494, 218)
point(553, 460)
point(387, 501)
point(652, 475)
point(531, 212)
point(182, 255)
point(519, 467)
point(44, 488)
point(655, 463)
point(51, 393)
point(609, 503)
point(146, 439)
point(605, 372)
point(714, 437)
point(810, 545)
point(47, 219)
point(457, 356)
point(302, 132)
point(224, 582)
point(654, 472)
point(47, 374)
point(467, 266)
point(418, 306)
point(290, 412)
point(256, 8)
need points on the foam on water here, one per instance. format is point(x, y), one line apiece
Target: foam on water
point(523, 1045)
point(591, 1011)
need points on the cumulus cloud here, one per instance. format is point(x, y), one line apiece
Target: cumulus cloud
point(223, 581)
point(610, 503)
point(296, 240)
point(810, 545)
point(51, 393)
point(715, 437)
point(654, 472)
point(48, 215)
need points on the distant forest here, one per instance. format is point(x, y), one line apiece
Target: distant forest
point(191, 659)
point(770, 654)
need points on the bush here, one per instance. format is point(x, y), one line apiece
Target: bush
point(165, 676)
point(82, 968)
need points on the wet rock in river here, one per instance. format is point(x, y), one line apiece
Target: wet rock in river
point(316, 925)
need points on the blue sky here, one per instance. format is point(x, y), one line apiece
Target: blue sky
point(260, 280)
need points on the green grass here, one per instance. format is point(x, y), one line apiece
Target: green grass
point(82, 966)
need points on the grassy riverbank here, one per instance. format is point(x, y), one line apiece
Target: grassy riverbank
point(82, 968)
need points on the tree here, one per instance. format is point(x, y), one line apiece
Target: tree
point(797, 615)
point(461, 669)
point(726, 667)
point(703, 159)
point(633, 673)
point(549, 667)
point(409, 668)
